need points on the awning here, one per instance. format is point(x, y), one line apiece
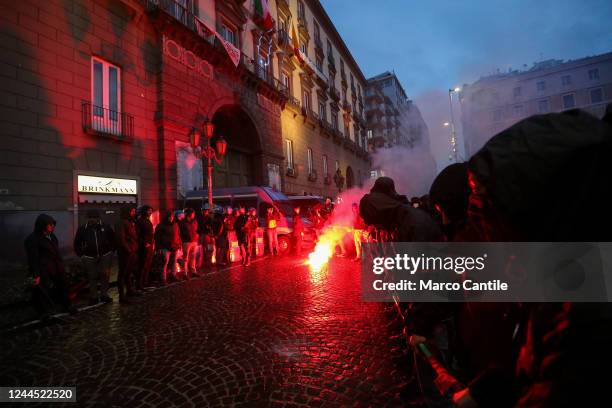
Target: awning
point(106, 198)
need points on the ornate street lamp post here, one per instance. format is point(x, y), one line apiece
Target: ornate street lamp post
point(208, 152)
point(453, 140)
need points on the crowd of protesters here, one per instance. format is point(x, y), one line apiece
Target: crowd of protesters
point(180, 247)
point(545, 179)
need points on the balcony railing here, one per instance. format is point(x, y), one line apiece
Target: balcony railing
point(181, 13)
point(333, 93)
point(312, 175)
point(97, 119)
point(263, 73)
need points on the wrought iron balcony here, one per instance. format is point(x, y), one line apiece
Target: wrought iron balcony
point(104, 121)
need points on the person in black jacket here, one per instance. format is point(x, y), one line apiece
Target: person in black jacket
point(189, 236)
point(146, 246)
point(127, 251)
point(384, 207)
point(167, 242)
point(46, 266)
point(94, 243)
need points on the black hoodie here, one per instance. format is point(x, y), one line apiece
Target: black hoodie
point(44, 258)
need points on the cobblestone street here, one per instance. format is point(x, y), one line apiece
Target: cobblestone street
point(273, 334)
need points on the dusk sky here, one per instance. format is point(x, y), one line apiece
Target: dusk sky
point(440, 43)
point(437, 44)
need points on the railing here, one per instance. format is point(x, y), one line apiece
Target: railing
point(181, 14)
point(331, 60)
point(263, 73)
point(97, 119)
point(334, 93)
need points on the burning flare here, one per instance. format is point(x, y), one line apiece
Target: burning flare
point(326, 247)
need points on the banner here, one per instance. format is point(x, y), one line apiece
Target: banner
point(205, 31)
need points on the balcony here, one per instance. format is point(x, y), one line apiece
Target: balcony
point(262, 77)
point(333, 93)
point(325, 128)
point(107, 122)
point(312, 176)
point(349, 144)
point(332, 63)
point(319, 47)
point(346, 106)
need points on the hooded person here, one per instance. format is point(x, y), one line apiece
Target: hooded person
point(94, 243)
point(384, 207)
point(46, 266)
point(146, 247)
point(168, 242)
point(127, 251)
point(449, 195)
point(547, 179)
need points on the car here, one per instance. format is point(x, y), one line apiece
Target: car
point(260, 198)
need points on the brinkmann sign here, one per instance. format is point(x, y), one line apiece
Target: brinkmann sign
point(105, 185)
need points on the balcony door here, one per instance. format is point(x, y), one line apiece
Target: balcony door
point(106, 97)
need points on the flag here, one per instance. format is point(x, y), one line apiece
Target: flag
point(205, 31)
point(263, 11)
point(295, 42)
point(232, 50)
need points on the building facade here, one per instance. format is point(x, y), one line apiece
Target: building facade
point(392, 118)
point(323, 125)
point(100, 100)
point(495, 102)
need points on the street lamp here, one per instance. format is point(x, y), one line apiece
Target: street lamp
point(208, 152)
point(453, 139)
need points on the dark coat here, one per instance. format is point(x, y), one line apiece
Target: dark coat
point(548, 178)
point(94, 240)
point(189, 230)
point(167, 236)
point(126, 233)
point(241, 221)
point(44, 258)
point(389, 210)
point(145, 231)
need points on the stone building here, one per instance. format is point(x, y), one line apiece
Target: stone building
point(323, 124)
point(100, 99)
point(495, 102)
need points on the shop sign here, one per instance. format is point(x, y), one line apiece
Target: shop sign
point(106, 185)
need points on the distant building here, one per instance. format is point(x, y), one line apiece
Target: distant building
point(392, 118)
point(495, 102)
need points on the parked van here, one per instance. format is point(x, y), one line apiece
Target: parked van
point(260, 198)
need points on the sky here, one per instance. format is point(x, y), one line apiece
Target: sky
point(434, 45)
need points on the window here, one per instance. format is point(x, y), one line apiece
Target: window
point(518, 111)
point(229, 34)
point(541, 86)
point(568, 101)
point(566, 80)
point(325, 169)
point(593, 74)
point(516, 92)
point(543, 106)
point(304, 48)
point(286, 79)
point(322, 111)
point(596, 95)
point(334, 118)
point(106, 96)
point(329, 49)
point(369, 133)
point(306, 100)
point(317, 31)
point(289, 153)
point(347, 130)
point(301, 10)
point(310, 165)
point(337, 165)
point(319, 63)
